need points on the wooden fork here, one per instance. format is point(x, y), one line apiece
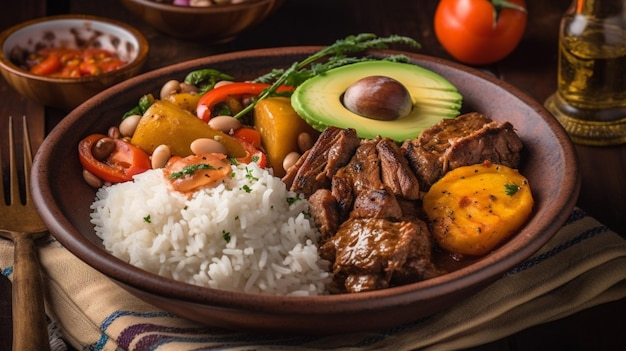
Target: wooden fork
point(20, 222)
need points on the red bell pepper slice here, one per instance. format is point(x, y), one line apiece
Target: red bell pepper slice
point(219, 94)
point(120, 166)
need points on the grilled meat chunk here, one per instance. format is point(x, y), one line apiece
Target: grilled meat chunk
point(333, 149)
point(325, 213)
point(370, 254)
point(395, 171)
point(469, 139)
point(376, 203)
point(361, 173)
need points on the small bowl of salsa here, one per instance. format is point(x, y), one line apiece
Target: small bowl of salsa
point(61, 61)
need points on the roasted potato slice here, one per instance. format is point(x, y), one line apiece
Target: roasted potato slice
point(472, 209)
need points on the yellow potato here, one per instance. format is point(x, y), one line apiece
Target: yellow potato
point(165, 123)
point(186, 101)
point(279, 126)
point(472, 209)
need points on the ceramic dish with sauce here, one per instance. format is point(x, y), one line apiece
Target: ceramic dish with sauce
point(79, 32)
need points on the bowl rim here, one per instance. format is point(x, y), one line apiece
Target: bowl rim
point(482, 271)
point(199, 10)
point(143, 48)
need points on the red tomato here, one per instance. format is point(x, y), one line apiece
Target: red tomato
point(47, 65)
point(120, 166)
point(73, 63)
point(480, 32)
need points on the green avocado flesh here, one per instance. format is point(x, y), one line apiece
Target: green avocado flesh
point(318, 100)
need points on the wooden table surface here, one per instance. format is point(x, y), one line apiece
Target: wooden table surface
point(531, 68)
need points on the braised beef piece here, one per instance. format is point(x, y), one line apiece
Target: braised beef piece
point(377, 203)
point(332, 150)
point(325, 213)
point(361, 173)
point(494, 142)
point(395, 171)
point(468, 139)
point(370, 254)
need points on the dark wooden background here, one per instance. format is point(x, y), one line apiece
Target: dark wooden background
point(531, 68)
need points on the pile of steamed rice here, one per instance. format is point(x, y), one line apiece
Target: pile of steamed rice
point(247, 234)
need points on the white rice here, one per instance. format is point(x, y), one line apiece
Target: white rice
point(242, 235)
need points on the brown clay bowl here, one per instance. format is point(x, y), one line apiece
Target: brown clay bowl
point(72, 31)
point(212, 24)
point(63, 199)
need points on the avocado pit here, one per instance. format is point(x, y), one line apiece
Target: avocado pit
point(378, 97)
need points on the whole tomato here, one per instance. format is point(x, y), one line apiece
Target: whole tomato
point(480, 32)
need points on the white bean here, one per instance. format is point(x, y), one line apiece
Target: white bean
point(128, 125)
point(188, 88)
point(169, 88)
point(160, 156)
point(290, 160)
point(226, 124)
point(114, 133)
point(207, 146)
point(222, 82)
point(92, 180)
point(305, 141)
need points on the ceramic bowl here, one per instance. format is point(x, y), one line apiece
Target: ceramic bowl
point(211, 24)
point(63, 199)
point(71, 31)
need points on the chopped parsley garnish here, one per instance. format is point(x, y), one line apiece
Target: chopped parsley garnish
point(246, 188)
point(293, 200)
point(226, 236)
point(511, 189)
point(250, 176)
point(147, 219)
point(189, 170)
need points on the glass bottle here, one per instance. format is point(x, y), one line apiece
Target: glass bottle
point(590, 101)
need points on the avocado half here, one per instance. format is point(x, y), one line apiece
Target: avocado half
point(318, 100)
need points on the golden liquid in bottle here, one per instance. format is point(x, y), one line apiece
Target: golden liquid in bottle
point(590, 101)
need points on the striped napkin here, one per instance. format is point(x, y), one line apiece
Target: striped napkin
point(582, 266)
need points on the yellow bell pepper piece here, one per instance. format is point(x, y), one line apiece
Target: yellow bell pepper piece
point(165, 123)
point(279, 126)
